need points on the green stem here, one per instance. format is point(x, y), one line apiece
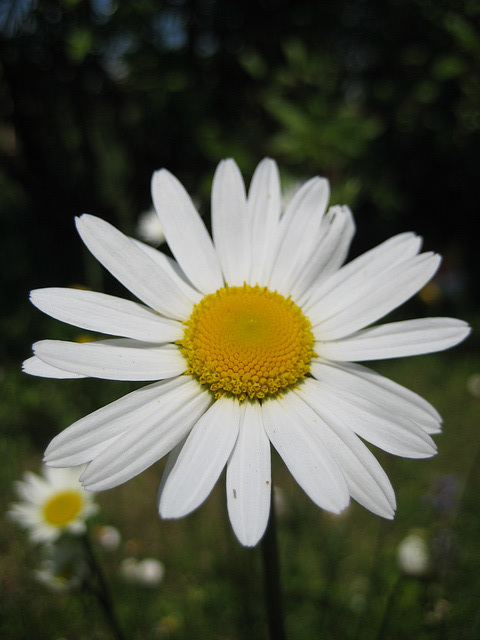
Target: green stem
point(387, 616)
point(102, 591)
point(271, 570)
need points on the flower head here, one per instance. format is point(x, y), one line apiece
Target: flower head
point(149, 228)
point(108, 537)
point(53, 504)
point(148, 572)
point(413, 555)
point(252, 339)
point(64, 568)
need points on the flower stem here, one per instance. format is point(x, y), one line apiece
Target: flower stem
point(271, 570)
point(102, 591)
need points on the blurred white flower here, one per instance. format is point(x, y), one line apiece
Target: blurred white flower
point(52, 504)
point(150, 572)
point(281, 505)
point(413, 556)
point(473, 385)
point(146, 573)
point(65, 568)
point(441, 609)
point(128, 569)
point(149, 228)
point(108, 537)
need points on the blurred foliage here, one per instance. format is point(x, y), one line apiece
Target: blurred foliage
point(384, 99)
point(340, 573)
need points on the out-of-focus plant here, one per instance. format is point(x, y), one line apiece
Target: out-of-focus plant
point(57, 512)
point(320, 121)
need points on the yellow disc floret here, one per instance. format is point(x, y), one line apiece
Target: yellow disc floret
point(62, 508)
point(247, 341)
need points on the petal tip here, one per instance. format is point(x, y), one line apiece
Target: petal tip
point(161, 175)
point(83, 219)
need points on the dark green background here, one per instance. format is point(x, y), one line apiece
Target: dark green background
point(382, 98)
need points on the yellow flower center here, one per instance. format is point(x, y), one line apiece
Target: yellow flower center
point(62, 508)
point(247, 341)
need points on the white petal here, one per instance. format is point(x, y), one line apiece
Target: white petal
point(334, 237)
point(83, 440)
point(36, 367)
point(230, 223)
point(305, 455)
point(148, 441)
point(185, 232)
point(169, 464)
point(172, 269)
point(30, 489)
point(264, 206)
point(249, 478)
point(385, 256)
point(339, 232)
point(349, 309)
point(61, 478)
point(298, 232)
point(391, 432)
point(201, 459)
point(33, 488)
point(133, 268)
point(397, 339)
point(106, 314)
point(113, 359)
point(367, 482)
point(371, 385)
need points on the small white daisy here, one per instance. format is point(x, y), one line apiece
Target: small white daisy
point(109, 538)
point(148, 572)
point(128, 569)
point(53, 504)
point(64, 568)
point(252, 338)
point(149, 228)
point(413, 556)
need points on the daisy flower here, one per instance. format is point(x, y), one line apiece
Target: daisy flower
point(109, 538)
point(53, 504)
point(149, 228)
point(252, 339)
point(148, 572)
point(413, 556)
point(65, 567)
